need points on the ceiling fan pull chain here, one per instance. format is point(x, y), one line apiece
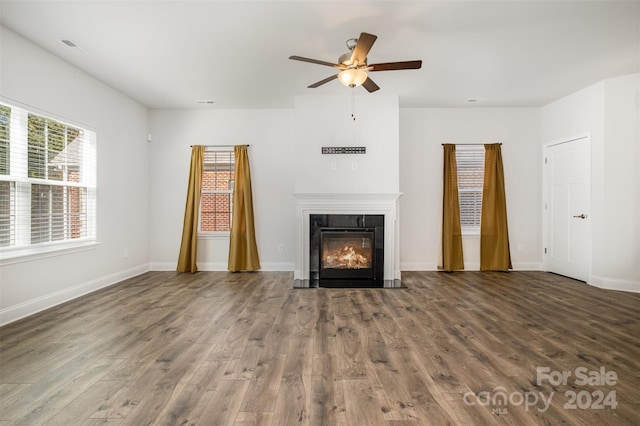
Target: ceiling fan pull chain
point(353, 103)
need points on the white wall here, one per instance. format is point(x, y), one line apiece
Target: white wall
point(422, 133)
point(620, 258)
point(326, 121)
point(270, 134)
point(608, 111)
point(35, 78)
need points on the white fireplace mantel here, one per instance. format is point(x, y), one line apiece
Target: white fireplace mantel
point(348, 203)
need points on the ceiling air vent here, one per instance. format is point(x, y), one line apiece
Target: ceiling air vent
point(74, 46)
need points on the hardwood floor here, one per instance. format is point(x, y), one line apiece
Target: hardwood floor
point(217, 348)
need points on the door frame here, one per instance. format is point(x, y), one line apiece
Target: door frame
point(546, 225)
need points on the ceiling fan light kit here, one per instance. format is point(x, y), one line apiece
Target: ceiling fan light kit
point(352, 77)
point(353, 64)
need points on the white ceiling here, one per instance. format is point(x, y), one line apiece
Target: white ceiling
point(168, 54)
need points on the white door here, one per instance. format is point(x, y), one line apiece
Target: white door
point(567, 214)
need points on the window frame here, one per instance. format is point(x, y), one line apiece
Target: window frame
point(230, 168)
point(471, 156)
point(21, 246)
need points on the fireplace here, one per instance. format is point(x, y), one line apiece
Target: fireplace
point(346, 250)
point(347, 212)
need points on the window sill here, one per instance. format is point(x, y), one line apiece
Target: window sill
point(34, 253)
point(214, 236)
point(471, 234)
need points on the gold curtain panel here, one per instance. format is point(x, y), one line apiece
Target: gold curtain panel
point(243, 251)
point(494, 234)
point(189, 244)
point(451, 249)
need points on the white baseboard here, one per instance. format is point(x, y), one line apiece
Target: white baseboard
point(163, 266)
point(279, 267)
point(468, 266)
point(527, 266)
point(33, 306)
point(411, 266)
point(609, 283)
point(219, 266)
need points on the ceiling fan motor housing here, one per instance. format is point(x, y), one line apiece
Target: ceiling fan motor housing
point(345, 59)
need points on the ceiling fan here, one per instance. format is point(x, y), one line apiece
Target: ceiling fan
point(353, 64)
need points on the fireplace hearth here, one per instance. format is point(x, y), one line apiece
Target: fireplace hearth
point(346, 250)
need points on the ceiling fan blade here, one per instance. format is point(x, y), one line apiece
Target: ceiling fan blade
point(370, 85)
point(360, 52)
point(390, 66)
point(321, 82)
point(314, 61)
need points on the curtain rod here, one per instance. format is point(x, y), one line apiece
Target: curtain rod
point(470, 144)
point(222, 146)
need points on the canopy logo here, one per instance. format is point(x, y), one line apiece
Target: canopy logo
point(499, 399)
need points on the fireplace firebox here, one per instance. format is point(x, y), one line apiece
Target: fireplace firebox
point(347, 250)
point(346, 253)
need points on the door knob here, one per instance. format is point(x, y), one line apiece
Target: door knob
point(582, 216)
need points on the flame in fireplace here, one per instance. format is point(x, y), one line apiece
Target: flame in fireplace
point(346, 257)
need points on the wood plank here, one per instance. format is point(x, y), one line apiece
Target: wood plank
point(182, 407)
point(84, 405)
point(294, 397)
point(327, 392)
point(262, 393)
point(254, 419)
point(27, 399)
point(224, 405)
point(361, 405)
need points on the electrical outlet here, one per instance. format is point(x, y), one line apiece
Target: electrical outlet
point(280, 248)
point(125, 253)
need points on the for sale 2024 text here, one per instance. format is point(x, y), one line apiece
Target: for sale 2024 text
point(582, 376)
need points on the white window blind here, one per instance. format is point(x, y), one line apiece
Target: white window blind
point(47, 180)
point(7, 188)
point(470, 162)
point(216, 202)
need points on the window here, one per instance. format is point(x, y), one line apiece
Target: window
point(470, 161)
point(47, 181)
point(216, 203)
